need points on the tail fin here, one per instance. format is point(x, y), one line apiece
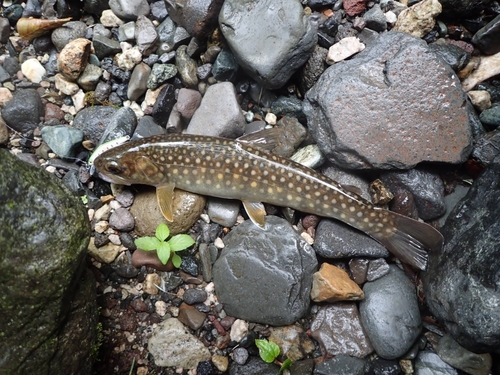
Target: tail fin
point(410, 240)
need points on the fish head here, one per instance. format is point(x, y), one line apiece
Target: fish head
point(128, 167)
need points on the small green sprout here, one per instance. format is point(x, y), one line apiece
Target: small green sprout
point(269, 351)
point(84, 199)
point(164, 248)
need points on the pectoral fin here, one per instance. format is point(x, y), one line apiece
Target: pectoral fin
point(256, 212)
point(165, 197)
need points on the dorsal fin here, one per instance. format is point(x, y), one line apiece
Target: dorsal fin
point(266, 139)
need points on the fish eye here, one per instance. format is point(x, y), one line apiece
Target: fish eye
point(114, 167)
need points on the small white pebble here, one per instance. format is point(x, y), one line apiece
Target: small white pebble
point(391, 17)
point(343, 49)
point(161, 308)
point(205, 218)
point(91, 213)
point(101, 226)
point(103, 212)
point(219, 244)
point(114, 204)
point(174, 311)
point(307, 238)
point(109, 289)
point(271, 118)
point(238, 330)
point(115, 239)
point(50, 169)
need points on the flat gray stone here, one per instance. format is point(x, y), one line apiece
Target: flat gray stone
point(394, 105)
point(270, 39)
point(219, 113)
point(390, 314)
point(223, 211)
point(62, 139)
point(265, 276)
point(429, 363)
point(462, 283)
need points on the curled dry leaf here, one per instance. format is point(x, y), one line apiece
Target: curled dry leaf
point(30, 28)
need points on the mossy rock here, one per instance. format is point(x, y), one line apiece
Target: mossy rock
point(47, 304)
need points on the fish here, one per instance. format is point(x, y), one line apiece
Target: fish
point(246, 170)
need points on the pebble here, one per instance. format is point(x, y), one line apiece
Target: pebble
point(128, 58)
point(488, 66)
point(340, 365)
point(191, 317)
point(150, 283)
point(225, 66)
point(74, 58)
point(375, 19)
point(481, 99)
point(142, 258)
point(194, 296)
point(487, 38)
point(24, 112)
point(186, 67)
point(121, 123)
point(222, 211)
point(338, 330)
point(66, 34)
point(62, 139)
point(104, 254)
point(138, 81)
point(354, 7)
point(160, 73)
point(293, 342)
point(4, 132)
point(491, 117)
point(239, 329)
point(240, 356)
point(390, 314)
point(109, 19)
point(104, 46)
point(219, 113)
point(418, 19)
point(121, 219)
point(188, 102)
point(65, 86)
point(376, 269)
point(171, 344)
point(429, 363)
point(5, 96)
point(126, 32)
point(345, 48)
point(33, 70)
point(89, 78)
point(129, 9)
point(332, 284)
point(221, 362)
point(145, 35)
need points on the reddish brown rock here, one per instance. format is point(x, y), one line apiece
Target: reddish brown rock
point(53, 112)
point(74, 58)
point(150, 259)
point(191, 317)
point(331, 284)
point(354, 7)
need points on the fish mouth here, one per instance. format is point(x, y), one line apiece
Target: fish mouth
point(112, 179)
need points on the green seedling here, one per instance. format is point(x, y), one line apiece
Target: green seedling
point(269, 352)
point(165, 249)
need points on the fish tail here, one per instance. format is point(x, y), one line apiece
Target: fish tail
point(410, 240)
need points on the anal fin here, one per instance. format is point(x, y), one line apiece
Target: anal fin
point(165, 197)
point(256, 212)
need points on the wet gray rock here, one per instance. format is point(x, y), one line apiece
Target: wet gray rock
point(265, 276)
point(462, 282)
point(193, 296)
point(137, 85)
point(188, 102)
point(43, 274)
point(198, 17)
point(223, 211)
point(376, 269)
point(390, 314)
point(62, 139)
point(186, 67)
point(225, 66)
point(66, 33)
point(375, 19)
point(147, 127)
point(290, 106)
point(487, 39)
point(90, 77)
point(24, 111)
point(93, 121)
point(338, 330)
point(255, 366)
point(340, 365)
point(219, 113)
point(126, 32)
point(121, 123)
point(121, 219)
point(426, 187)
point(350, 180)
point(491, 117)
point(460, 358)
point(164, 105)
point(129, 9)
point(270, 39)
point(145, 35)
point(429, 363)
point(455, 56)
point(396, 72)
point(104, 46)
point(335, 239)
point(487, 147)
point(160, 73)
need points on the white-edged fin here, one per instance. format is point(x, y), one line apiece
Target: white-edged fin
point(266, 139)
point(256, 212)
point(411, 240)
point(165, 197)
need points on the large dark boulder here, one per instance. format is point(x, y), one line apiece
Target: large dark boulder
point(462, 284)
point(49, 316)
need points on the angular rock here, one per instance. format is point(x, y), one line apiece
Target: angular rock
point(429, 363)
point(390, 314)
point(375, 19)
point(223, 211)
point(270, 39)
point(145, 35)
point(462, 282)
point(104, 46)
point(164, 104)
point(487, 147)
point(160, 73)
point(33, 70)
point(395, 72)
point(293, 342)
point(189, 316)
point(354, 7)
point(186, 67)
point(137, 85)
point(460, 358)
point(338, 330)
point(313, 68)
point(487, 39)
point(171, 344)
point(340, 365)
point(219, 113)
point(93, 121)
point(491, 117)
point(70, 31)
point(335, 239)
point(89, 78)
point(345, 48)
point(62, 139)
point(487, 67)
point(129, 9)
point(331, 284)
point(265, 276)
point(121, 123)
point(48, 300)
point(73, 58)
point(25, 111)
point(255, 366)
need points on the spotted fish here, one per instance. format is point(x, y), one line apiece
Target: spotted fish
point(242, 169)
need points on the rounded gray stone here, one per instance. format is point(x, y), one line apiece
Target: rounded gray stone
point(265, 276)
point(223, 211)
point(137, 85)
point(129, 9)
point(24, 111)
point(390, 314)
point(429, 363)
point(62, 139)
point(66, 33)
point(270, 39)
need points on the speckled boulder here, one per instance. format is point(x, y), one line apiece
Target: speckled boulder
point(48, 300)
point(394, 105)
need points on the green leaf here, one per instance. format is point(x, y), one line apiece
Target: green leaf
point(147, 243)
point(288, 362)
point(162, 232)
point(163, 252)
point(176, 261)
point(268, 350)
point(180, 242)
